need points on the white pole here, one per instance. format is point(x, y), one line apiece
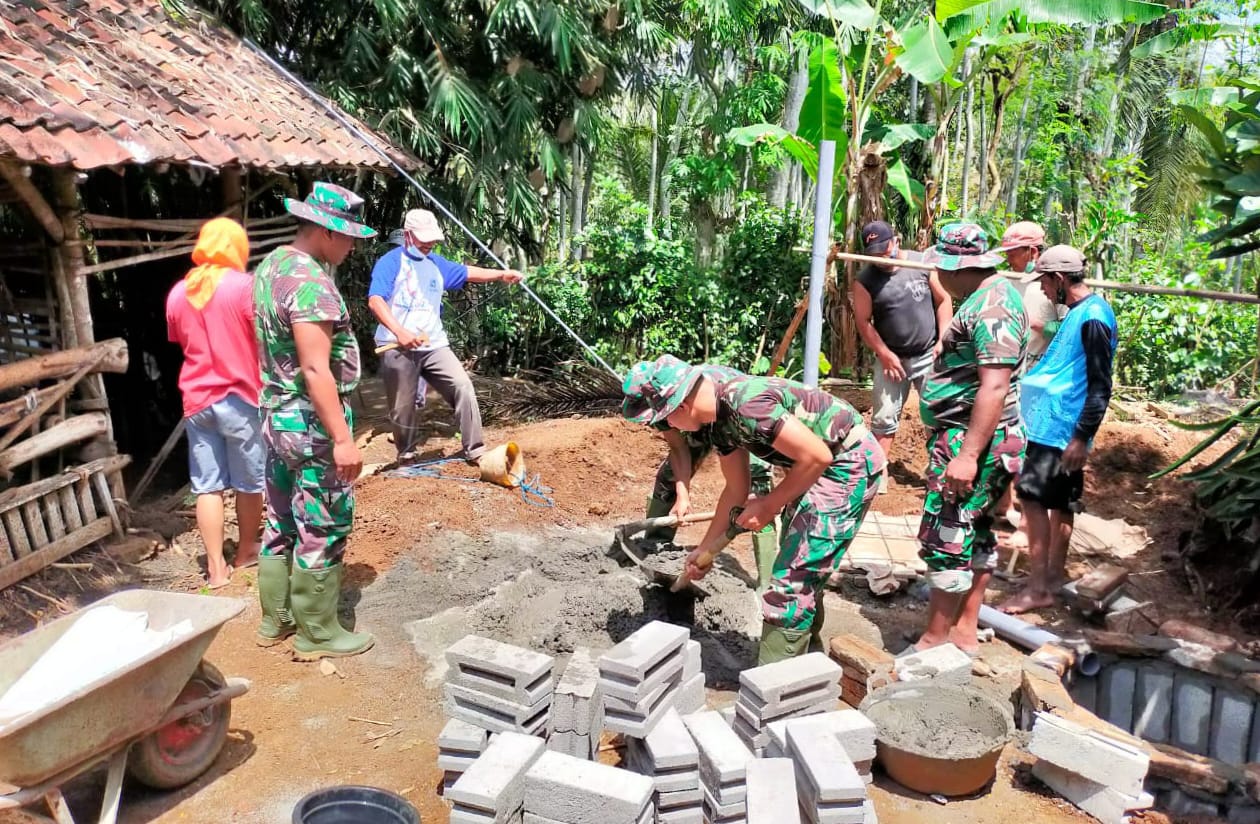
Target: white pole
point(818, 261)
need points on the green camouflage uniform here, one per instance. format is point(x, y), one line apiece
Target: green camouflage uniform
point(989, 328)
point(309, 509)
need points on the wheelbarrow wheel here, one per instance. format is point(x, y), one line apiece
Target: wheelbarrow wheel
point(178, 753)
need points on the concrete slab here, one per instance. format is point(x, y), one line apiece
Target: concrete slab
point(723, 756)
point(723, 810)
point(640, 724)
point(946, 664)
point(460, 736)
point(772, 792)
point(576, 704)
point(1153, 703)
point(670, 745)
point(507, 671)
point(494, 713)
point(1192, 712)
point(681, 815)
point(691, 696)
point(684, 798)
point(634, 658)
point(825, 695)
point(822, 762)
point(456, 762)
point(1117, 686)
point(1100, 801)
point(584, 792)
point(693, 659)
point(666, 671)
point(784, 680)
point(495, 782)
point(1232, 712)
point(1088, 754)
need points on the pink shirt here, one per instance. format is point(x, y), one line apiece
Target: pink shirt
point(220, 349)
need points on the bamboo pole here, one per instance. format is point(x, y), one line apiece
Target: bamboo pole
point(60, 391)
point(178, 225)
point(70, 431)
point(182, 251)
point(40, 208)
point(779, 354)
point(55, 365)
point(1138, 288)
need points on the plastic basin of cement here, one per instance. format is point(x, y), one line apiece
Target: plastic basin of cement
point(938, 739)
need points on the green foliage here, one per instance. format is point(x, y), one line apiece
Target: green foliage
point(1232, 173)
point(823, 114)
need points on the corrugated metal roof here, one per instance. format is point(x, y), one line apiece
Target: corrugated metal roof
point(90, 83)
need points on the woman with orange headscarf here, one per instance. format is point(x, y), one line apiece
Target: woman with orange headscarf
point(210, 314)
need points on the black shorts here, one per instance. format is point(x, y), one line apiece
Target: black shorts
point(1044, 482)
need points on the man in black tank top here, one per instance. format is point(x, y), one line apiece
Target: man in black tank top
point(901, 313)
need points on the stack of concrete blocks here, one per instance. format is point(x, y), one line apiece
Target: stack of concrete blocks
point(944, 664)
point(772, 797)
point(670, 758)
point(497, 686)
point(492, 789)
point(724, 764)
point(1100, 775)
point(577, 708)
point(854, 731)
point(560, 789)
point(645, 675)
point(864, 666)
point(807, 685)
point(459, 744)
point(827, 782)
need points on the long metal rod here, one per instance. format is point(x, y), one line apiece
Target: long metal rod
point(1136, 288)
point(818, 261)
point(372, 144)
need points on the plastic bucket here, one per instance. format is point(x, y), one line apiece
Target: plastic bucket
point(504, 465)
point(354, 805)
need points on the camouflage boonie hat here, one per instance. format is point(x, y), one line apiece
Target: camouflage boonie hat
point(962, 246)
point(332, 207)
point(654, 389)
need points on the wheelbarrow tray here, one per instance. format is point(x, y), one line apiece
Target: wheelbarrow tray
point(107, 712)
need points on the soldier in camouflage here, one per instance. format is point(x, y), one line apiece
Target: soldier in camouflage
point(970, 403)
point(310, 365)
point(832, 466)
point(671, 494)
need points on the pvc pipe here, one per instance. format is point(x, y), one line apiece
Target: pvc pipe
point(818, 261)
point(1029, 637)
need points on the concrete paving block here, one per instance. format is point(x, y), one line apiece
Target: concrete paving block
point(676, 781)
point(670, 745)
point(1152, 708)
point(668, 671)
point(720, 809)
point(681, 815)
point(585, 792)
point(460, 736)
point(576, 705)
point(1100, 801)
point(1232, 713)
point(1180, 803)
point(824, 695)
point(456, 762)
point(1116, 688)
point(772, 792)
point(1192, 712)
point(781, 681)
point(634, 658)
point(841, 813)
point(1084, 692)
point(640, 724)
point(494, 713)
point(750, 735)
point(510, 672)
point(946, 664)
point(1088, 754)
point(495, 782)
point(723, 756)
point(569, 743)
point(461, 814)
point(727, 713)
point(693, 659)
point(823, 764)
point(855, 731)
point(638, 706)
point(684, 798)
point(691, 696)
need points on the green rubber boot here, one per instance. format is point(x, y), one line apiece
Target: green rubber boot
point(656, 508)
point(273, 595)
point(779, 644)
point(765, 551)
point(815, 629)
point(319, 632)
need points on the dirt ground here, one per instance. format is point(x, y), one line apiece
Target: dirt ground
point(431, 559)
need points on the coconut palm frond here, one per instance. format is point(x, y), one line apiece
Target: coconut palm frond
point(569, 388)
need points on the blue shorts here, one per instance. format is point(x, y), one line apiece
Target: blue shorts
point(225, 447)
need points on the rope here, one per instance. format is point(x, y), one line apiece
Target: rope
point(371, 144)
point(533, 492)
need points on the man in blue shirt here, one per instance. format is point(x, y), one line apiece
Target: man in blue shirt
point(406, 297)
point(1064, 399)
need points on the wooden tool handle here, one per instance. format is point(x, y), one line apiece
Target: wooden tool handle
point(385, 347)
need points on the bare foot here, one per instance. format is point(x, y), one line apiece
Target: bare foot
point(243, 560)
point(925, 643)
point(967, 644)
point(1026, 601)
point(221, 580)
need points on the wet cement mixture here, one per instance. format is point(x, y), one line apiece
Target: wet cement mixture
point(939, 723)
point(558, 591)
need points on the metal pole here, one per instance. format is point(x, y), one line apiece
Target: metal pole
point(818, 261)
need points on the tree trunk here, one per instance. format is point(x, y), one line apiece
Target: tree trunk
point(577, 209)
point(966, 163)
point(652, 168)
point(675, 140)
point(70, 431)
point(913, 114)
point(562, 209)
point(588, 160)
point(983, 153)
point(54, 365)
point(1012, 198)
point(797, 88)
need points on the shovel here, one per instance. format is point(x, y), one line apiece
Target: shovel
point(656, 575)
point(732, 530)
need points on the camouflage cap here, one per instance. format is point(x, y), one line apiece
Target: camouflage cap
point(962, 246)
point(333, 207)
point(654, 389)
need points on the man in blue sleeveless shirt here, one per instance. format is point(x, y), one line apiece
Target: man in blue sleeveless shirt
point(1064, 399)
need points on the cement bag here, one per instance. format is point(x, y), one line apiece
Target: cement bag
point(504, 465)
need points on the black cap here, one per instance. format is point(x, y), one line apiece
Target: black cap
point(877, 236)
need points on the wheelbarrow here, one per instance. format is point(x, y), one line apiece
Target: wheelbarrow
point(162, 719)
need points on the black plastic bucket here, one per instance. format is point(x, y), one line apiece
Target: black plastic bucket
point(354, 805)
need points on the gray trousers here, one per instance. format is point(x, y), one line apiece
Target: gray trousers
point(402, 370)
